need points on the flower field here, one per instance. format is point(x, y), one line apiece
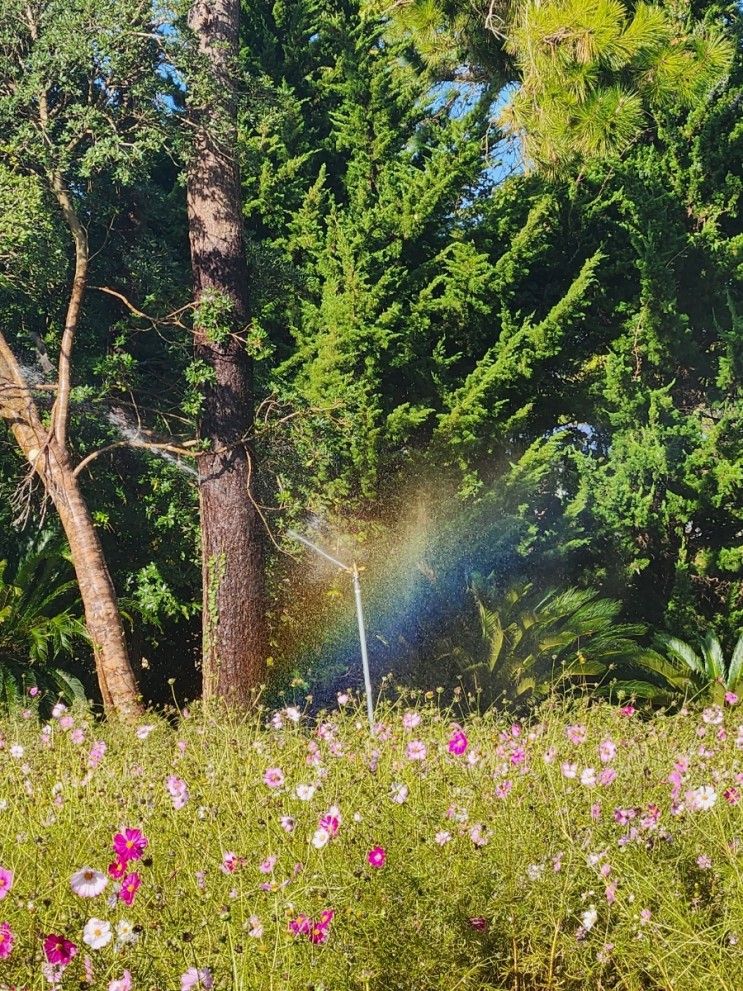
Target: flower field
point(588, 848)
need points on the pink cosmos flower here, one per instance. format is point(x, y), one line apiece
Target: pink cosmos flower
point(576, 734)
point(88, 883)
point(287, 823)
point(318, 933)
point(731, 796)
point(607, 751)
point(230, 862)
point(7, 939)
point(129, 887)
point(130, 845)
point(123, 983)
point(478, 923)
point(458, 742)
point(503, 788)
point(58, 950)
point(268, 864)
point(274, 777)
point(416, 750)
point(33, 691)
point(731, 698)
point(6, 881)
point(627, 710)
point(411, 719)
point(607, 776)
point(194, 977)
point(377, 856)
point(97, 753)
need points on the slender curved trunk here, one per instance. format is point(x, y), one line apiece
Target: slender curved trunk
point(53, 466)
point(235, 645)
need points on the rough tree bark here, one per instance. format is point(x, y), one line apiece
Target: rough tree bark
point(235, 645)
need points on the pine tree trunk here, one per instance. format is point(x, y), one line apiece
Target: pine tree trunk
point(52, 464)
point(235, 648)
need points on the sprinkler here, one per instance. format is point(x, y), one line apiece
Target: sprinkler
point(353, 571)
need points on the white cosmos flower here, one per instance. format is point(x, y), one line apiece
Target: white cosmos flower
point(125, 932)
point(97, 933)
point(705, 797)
point(305, 792)
point(589, 919)
point(320, 838)
point(88, 883)
point(144, 731)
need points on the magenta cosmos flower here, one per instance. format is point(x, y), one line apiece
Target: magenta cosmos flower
point(130, 845)
point(58, 950)
point(7, 939)
point(377, 856)
point(117, 868)
point(458, 742)
point(129, 887)
point(6, 881)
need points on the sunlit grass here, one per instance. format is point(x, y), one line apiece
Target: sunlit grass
point(585, 849)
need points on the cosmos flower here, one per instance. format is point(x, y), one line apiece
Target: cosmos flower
point(399, 793)
point(7, 939)
point(377, 856)
point(123, 983)
point(273, 778)
point(589, 918)
point(458, 742)
point(331, 821)
point(268, 864)
point(576, 734)
point(416, 750)
point(125, 932)
point(130, 845)
point(411, 719)
point(58, 950)
point(97, 933)
point(88, 883)
point(607, 751)
point(117, 868)
point(197, 977)
point(129, 887)
point(6, 881)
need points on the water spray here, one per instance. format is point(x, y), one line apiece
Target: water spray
point(353, 571)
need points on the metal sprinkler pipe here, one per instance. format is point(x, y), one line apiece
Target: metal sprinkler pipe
point(354, 572)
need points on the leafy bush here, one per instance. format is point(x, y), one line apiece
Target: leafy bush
point(39, 623)
point(585, 849)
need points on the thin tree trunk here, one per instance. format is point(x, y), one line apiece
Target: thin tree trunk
point(235, 649)
point(53, 466)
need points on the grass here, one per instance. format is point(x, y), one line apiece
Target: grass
point(584, 849)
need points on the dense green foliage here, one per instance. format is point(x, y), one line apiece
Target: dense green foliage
point(548, 363)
